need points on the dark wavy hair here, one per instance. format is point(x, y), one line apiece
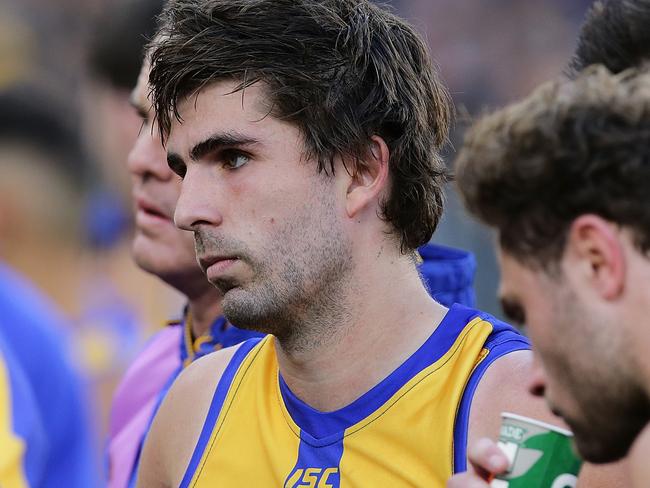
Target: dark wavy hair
point(616, 34)
point(569, 149)
point(340, 70)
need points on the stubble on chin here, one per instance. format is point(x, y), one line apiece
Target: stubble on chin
point(295, 287)
point(301, 319)
point(610, 423)
point(224, 285)
point(246, 310)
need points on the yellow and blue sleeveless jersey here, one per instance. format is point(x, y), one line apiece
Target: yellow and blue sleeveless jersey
point(408, 430)
point(22, 438)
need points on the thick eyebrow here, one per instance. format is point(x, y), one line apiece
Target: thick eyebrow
point(216, 141)
point(175, 162)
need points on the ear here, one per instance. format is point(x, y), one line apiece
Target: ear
point(595, 253)
point(369, 179)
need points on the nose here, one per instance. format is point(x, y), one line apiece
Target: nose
point(147, 157)
point(198, 202)
point(537, 382)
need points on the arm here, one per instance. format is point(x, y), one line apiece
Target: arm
point(504, 388)
point(177, 425)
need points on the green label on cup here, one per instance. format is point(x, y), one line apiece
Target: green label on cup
point(541, 455)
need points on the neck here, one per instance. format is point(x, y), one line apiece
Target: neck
point(204, 307)
point(387, 316)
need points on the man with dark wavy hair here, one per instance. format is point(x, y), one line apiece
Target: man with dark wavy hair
point(307, 135)
point(562, 177)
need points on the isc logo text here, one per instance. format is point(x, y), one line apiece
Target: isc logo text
point(311, 478)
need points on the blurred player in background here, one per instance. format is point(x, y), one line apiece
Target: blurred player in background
point(614, 34)
point(128, 304)
point(40, 190)
point(563, 177)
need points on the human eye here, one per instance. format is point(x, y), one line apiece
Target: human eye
point(233, 159)
point(144, 116)
point(513, 311)
point(142, 113)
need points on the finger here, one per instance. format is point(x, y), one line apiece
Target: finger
point(486, 458)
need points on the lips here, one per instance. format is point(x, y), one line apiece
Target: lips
point(207, 261)
point(213, 266)
point(149, 208)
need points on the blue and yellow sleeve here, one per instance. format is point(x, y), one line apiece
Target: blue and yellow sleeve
point(503, 340)
point(22, 438)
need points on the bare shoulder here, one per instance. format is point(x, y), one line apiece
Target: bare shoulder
point(504, 388)
point(639, 455)
point(178, 424)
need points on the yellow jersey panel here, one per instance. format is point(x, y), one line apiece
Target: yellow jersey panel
point(409, 430)
point(244, 418)
point(415, 429)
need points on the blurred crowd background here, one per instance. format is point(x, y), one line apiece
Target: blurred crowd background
point(65, 219)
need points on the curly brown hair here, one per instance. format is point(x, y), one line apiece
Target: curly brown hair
point(340, 70)
point(569, 149)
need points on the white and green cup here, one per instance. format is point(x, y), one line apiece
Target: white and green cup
point(540, 455)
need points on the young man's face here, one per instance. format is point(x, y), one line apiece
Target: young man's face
point(268, 227)
point(581, 361)
point(159, 247)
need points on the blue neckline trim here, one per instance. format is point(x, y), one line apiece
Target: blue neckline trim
point(323, 428)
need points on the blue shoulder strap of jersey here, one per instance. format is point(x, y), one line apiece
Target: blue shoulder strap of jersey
point(215, 407)
point(504, 339)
